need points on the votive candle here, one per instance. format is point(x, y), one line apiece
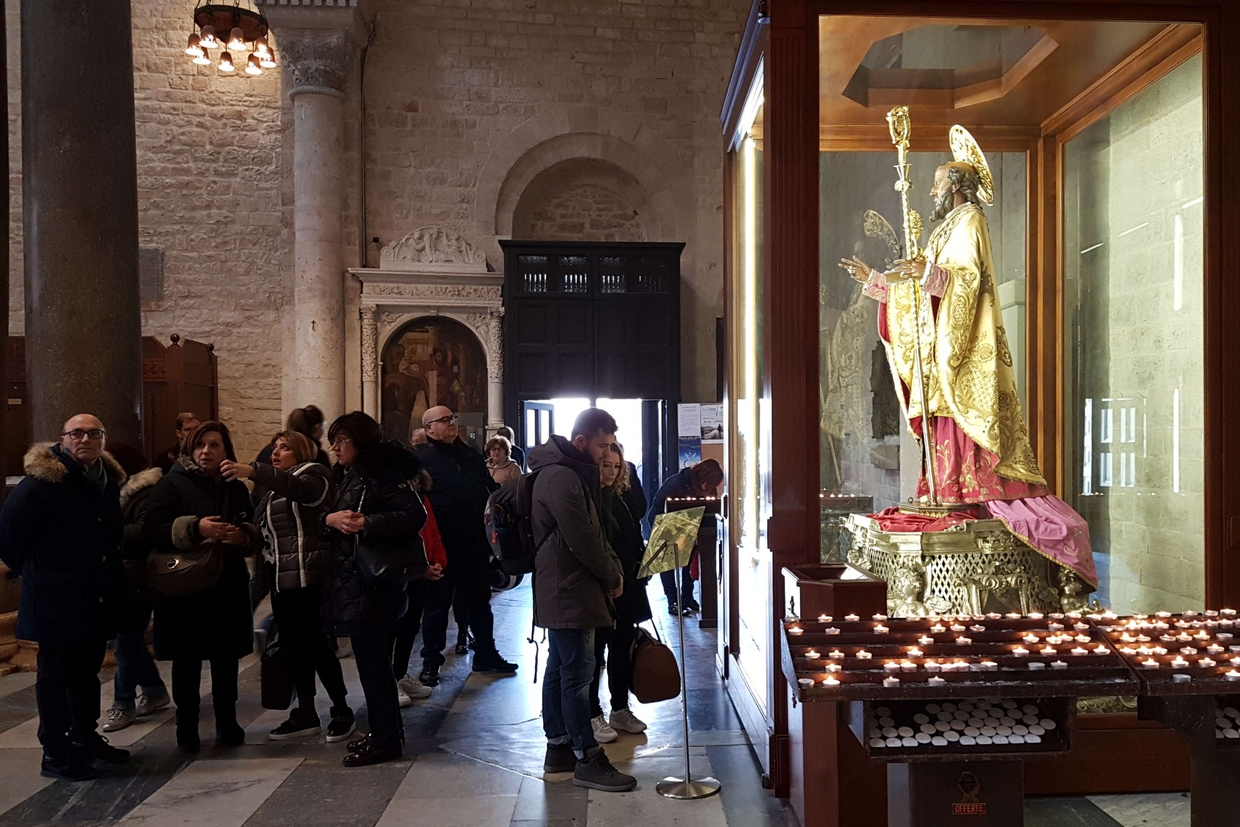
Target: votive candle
point(891, 682)
point(925, 641)
point(1079, 651)
point(824, 618)
point(795, 630)
point(935, 680)
point(1206, 662)
point(863, 655)
point(830, 680)
point(1020, 651)
point(851, 618)
point(1232, 675)
point(1059, 665)
point(812, 655)
point(880, 629)
point(1179, 663)
point(963, 641)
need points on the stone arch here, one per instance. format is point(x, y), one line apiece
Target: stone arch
point(568, 133)
point(585, 176)
point(404, 394)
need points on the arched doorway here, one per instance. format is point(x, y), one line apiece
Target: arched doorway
point(428, 361)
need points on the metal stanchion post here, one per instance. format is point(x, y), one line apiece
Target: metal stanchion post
point(685, 789)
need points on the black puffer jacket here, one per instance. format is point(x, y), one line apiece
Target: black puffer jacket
point(377, 485)
point(289, 514)
point(216, 622)
point(62, 535)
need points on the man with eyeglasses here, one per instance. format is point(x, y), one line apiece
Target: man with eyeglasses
point(460, 487)
point(61, 530)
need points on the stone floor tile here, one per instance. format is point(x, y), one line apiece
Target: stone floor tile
point(20, 770)
point(216, 793)
point(479, 811)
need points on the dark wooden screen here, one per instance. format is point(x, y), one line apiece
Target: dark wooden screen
point(591, 320)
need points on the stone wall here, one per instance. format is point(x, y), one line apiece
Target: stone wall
point(583, 213)
point(1134, 261)
point(465, 107)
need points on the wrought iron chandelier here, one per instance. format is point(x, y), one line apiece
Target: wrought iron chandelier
point(230, 38)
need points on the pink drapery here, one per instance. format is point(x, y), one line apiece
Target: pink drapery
point(965, 474)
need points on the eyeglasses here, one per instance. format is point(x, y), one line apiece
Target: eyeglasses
point(77, 434)
point(341, 440)
point(444, 420)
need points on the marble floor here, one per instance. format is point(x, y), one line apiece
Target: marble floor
point(473, 759)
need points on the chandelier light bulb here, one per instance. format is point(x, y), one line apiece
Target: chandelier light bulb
point(193, 47)
point(261, 47)
point(226, 63)
point(208, 40)
point(252, 66)
point(236, 40)
point(267, 61)
point(202, 59)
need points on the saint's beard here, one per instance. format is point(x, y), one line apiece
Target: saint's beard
point(942, 205)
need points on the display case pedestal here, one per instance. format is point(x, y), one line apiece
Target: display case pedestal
point(931, 794)
point(1214, 764)
point(833, 783)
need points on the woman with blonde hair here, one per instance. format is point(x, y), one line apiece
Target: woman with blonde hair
point(499, 460)
point(290, 493)
point(623, 531)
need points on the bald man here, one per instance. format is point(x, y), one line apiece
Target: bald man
point(460, 487)
point(61, 530)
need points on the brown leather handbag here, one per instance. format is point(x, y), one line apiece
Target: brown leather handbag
point(655, 673)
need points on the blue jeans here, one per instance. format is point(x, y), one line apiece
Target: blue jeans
point(134, 667)
point(566, 689)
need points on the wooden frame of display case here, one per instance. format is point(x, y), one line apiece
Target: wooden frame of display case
point(782, 36)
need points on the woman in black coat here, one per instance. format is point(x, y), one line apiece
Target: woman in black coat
point(623, 531)
point(372, 506)
point(193, 506)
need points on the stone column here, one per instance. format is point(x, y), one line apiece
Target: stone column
point(495, 369)
point(316, 61)
point(80, 213)
point(370, 362)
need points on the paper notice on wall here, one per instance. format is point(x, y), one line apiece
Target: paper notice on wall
point(689, 434)
point(712, 424)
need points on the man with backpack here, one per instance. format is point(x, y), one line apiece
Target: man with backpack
point(576, 577)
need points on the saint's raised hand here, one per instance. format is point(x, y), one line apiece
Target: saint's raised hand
point(858, 269)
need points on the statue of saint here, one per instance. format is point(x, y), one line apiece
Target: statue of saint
point(980, 440)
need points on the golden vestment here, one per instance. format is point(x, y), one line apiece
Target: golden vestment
point(964, 348)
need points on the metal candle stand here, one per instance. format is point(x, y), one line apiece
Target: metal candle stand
point(687, 788)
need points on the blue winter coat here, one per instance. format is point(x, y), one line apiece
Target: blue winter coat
point(63, 536)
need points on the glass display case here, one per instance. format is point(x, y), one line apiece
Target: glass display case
point(1106, 283)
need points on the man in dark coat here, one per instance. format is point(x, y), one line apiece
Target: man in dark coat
point(460, 486)
point(701, 480)
point(186, 422)
point(576, 577)
point(61, 530)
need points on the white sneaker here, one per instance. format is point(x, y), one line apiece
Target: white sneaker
point(603, 733)
point(413, 689)
point(118, 718)
point(625, 721)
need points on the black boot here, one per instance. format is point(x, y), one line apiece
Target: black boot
point(373, 752)
point(462, 642)
point(429, 676)
point(187, 730)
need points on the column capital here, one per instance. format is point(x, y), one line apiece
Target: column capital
point(317, 43)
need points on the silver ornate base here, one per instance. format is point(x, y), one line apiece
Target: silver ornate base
point(682, 790)
point(974, 568)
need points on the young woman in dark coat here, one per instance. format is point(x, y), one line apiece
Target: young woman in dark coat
point(623, 531)
point(291, 495)
point(373, 505)
point(191, 506)
point(134, 665)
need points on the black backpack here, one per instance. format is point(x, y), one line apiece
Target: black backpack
point(510, 525)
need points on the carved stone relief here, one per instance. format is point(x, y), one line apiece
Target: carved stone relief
point(316, 59)
point(430, 245)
